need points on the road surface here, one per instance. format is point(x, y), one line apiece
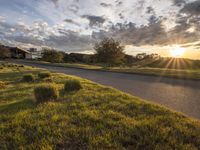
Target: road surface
point(180, 95)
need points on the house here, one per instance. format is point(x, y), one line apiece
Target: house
point(19, 53)
point(34, 54)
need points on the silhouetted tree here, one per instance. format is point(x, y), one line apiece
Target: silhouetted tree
point(4, 52)
point(141, 56)
point(109, 51)
point(129, 60)
point(77, 57)
point(52, 56)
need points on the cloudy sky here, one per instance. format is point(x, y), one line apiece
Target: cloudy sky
point(152, 26)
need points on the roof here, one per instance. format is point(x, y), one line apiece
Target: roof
point(20, 50)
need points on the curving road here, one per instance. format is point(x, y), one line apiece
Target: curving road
point(177, 94)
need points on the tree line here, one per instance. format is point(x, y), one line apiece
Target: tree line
point(108, 52)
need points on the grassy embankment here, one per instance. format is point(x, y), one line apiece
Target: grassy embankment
point(95, 117)
point(176, 68)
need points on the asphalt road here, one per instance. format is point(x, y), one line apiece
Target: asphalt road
point(180, 95)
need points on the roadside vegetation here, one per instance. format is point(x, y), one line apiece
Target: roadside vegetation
point(88, 117)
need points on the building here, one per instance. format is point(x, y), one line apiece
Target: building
point(34, 54)
point(17, 53)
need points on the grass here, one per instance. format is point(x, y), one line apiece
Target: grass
point(95, 117)
point(176, 68)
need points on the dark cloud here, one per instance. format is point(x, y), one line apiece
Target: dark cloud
point(105, 5)
point(121, 16)
point(153, 33)
point(130, 34)
point(189, 16)
point(71, 22)
point(140, 4)
point(73, 8)
point(153, 19)
point(70, 41)
point(55, 2)
point(26, 40)
point(192, 9)
point(179, 2)
point(95, 20)
point(150, 10)
point(118, 3)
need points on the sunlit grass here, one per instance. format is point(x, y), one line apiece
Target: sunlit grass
point(95, 117)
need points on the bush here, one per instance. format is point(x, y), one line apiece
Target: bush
point(2, 84)
point(28, 78)
point(48, 80)
point(44, 75)
point(22, 66)
point(45, 93)
point(72, 85)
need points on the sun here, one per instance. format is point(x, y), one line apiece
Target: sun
point(177, 51)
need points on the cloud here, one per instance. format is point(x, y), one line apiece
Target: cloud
point(95, 20)
point(71, 22)
point(105, 5)
point(150, 10)
point(55, 2)
point(179, 3)
point(70, 41)
point(128, 33)
point(75, 25)
point(188, 18)
point(73, 8)
point(192, 9)
point(118, 3)
point(41, 34)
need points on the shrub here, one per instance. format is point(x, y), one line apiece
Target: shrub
point(45, 93)
point(28, 78)
point(48, 80)
point(72, 85)
point(2, 84)
point(43, 75)
point(22, 66)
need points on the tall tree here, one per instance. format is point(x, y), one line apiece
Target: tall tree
point(109, 51)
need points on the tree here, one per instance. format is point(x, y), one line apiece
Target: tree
point(129, 60)
point(52, 56)
point(4, 52)
point(141, 56)
point(109, 51)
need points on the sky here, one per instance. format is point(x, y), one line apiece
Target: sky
point(150, 26)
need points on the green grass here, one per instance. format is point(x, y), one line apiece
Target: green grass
point(190, 68)
point(95, 117)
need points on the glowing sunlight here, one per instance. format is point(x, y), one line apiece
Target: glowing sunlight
point(177, 51)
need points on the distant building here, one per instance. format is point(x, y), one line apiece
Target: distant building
point(17, 53)
point(34, 54)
